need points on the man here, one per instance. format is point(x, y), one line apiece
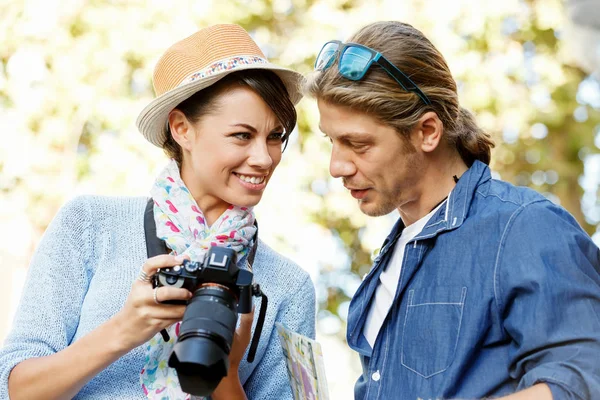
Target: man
point(482, 289)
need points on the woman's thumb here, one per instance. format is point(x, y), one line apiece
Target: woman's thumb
point(246, 321)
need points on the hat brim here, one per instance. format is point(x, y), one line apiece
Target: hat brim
point(153, 118)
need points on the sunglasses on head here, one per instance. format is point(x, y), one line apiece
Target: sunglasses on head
point(356, 59)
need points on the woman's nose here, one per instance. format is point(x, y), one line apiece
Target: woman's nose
point(260, 157)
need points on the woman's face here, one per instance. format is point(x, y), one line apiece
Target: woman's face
point(230, 153)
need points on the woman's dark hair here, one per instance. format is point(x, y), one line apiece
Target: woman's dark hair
point(265, 83)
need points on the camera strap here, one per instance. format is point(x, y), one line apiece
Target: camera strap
point(156, 246)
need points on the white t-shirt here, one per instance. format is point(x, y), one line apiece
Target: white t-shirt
point(388, 280)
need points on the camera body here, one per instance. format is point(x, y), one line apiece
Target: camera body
point(219, 267)
point(221, 291)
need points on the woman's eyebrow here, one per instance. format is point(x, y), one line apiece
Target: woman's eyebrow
point(246, 126)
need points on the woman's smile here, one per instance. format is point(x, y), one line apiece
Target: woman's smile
point(252, 182)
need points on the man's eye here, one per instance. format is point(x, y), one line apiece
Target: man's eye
point(359, 146)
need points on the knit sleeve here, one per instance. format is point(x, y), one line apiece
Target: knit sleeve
point(48, 313)
point(270, 379)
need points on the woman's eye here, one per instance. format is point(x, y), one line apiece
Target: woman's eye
point(276, 136)
point(242, 135)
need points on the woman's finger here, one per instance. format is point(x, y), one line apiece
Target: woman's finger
point(162, 261)
point(242, 337)
point(246, 324)
point(166, 293)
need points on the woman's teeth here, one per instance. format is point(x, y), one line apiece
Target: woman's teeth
point(252, 179)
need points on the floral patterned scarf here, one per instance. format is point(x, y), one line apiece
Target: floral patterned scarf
point(181, 224)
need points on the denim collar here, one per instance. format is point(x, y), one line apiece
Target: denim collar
point(453, 212)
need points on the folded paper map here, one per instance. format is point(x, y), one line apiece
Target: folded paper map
point(305, 365)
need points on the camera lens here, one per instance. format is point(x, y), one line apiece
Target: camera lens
point(201, 354)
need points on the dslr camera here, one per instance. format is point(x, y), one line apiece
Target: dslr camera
point(221, 291)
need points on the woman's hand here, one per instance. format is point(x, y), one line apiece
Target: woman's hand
point(138, 320)
point(230, 387)
point(141, 317)
point(241, 340)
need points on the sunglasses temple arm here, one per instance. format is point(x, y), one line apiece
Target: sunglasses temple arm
point(402, 79)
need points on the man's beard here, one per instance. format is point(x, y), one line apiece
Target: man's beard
point(378, 210)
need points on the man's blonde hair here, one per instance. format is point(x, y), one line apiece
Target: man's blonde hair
point(380, 95)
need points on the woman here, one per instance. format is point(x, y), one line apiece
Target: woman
point(88, 323)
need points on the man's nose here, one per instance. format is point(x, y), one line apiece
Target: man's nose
point(340, 164)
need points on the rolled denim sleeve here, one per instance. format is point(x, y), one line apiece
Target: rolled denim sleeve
point(547, 286)
point(270, 379)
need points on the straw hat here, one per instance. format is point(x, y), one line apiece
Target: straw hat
point(199, 61)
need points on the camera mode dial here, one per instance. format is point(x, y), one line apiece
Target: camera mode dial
point(191, 266)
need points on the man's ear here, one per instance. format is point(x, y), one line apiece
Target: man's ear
point(430, 129)
point(181, 129)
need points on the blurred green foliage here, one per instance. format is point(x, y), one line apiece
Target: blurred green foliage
point(74, 75)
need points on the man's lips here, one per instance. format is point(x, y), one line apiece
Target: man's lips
point(358, 193)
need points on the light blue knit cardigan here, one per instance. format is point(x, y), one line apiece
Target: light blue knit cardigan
point(82, 272)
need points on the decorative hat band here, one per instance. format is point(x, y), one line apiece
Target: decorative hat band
point(223, 65)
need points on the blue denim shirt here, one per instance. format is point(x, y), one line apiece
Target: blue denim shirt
point(499, 291)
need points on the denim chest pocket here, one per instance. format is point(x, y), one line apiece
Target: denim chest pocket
point(431, 328)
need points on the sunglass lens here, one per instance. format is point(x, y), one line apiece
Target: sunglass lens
point(354, 62)
point(326, 56)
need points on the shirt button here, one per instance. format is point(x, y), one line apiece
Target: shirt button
point(375, 254)
point(376, 376)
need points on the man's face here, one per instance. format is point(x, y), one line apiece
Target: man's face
point(381, 170)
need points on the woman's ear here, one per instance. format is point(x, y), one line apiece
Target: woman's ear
point(181, 129)
point(431, 129)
